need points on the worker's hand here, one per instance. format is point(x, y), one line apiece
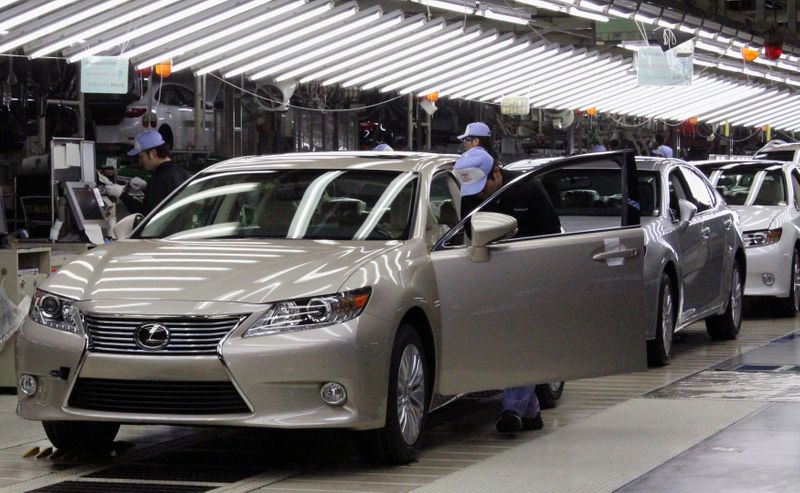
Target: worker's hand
point(137, 184)
point(114, 190)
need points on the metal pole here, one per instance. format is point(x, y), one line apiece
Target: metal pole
point(791, 15)
point(198, 111)
point(428, 133)
point(81, 109)
point(150, 97)
point(410, 130)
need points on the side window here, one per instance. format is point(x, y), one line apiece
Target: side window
point(167, 95)
point(676, 192)
point(443, 207)
point(186, 96)
point(699, 193)
point(796, 187)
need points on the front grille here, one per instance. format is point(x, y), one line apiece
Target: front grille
point(187, 335)
point(158, 397)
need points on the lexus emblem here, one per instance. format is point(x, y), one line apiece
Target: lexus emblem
point(151, 337)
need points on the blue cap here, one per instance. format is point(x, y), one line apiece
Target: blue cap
point(383, 147)
point(145, 141)
point(476, 129)
point(472, 169)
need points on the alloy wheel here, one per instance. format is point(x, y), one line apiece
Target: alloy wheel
point(411, 394)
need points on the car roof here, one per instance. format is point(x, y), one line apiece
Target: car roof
point(384, 161)
point(643, 163)
point(733, 163)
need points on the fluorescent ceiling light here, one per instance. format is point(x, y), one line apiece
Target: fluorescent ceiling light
point(217, 35)
point(460, 7)
point(312, 41)
point(774, 77)
point(706, 34)
point(702, 45)
point(491, 14)
point(544, 4)
point(704, 63)
point(293, 34)
point(348, 53)
point(387, 23)
point(432, 43)
point(193, 28)
point(666, 24)
point(587, 15)
point(149, 27)
point(94, 31)
point(619, 13)
point(34, 13)
point(642, 18)
point(687, 29)
point(56, 26)
point(294, 19)
point(428, 61)
point(728, 67)
point(589, 5)
point(410, 56)
point(426, 33)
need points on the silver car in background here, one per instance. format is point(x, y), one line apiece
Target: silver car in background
point(694, 264)
point(766, 195)
point(325, 290)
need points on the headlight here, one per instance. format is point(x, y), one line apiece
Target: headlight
point(760, 238)
point(310, 313)
point(54, 311)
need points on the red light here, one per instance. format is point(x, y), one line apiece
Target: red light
point(134, 112)
point(773, 51)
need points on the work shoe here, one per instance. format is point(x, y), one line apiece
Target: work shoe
point(509, 422)
point(534, 423)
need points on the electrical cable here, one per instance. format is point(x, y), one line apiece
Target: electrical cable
point(321, 110)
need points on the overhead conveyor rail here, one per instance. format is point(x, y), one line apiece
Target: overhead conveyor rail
point(337, 43)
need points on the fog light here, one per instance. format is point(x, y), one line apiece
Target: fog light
point(768, 279)
point(333, 393)
point(28, 384)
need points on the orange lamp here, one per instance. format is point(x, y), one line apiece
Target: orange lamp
point(749, 54)
point(693, 120)
point(432, 96)
point(591, 111)
point(164, 69)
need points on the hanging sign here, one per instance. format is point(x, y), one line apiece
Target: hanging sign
point(104, 75)
point(515, 105)
point(658, 68)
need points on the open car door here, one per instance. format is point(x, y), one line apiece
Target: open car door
point(548, 308)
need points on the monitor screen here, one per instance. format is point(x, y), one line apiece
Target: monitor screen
point(3, 226)
point(87, 202)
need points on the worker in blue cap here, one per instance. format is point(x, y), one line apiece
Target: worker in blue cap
point(477, 135)
point(527, 201)
point(154, 157)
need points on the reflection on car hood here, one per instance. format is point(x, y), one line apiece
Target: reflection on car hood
point(247, 271)
point(755, 217)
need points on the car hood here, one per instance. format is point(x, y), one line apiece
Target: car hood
point(247, 271)
point(755, 217)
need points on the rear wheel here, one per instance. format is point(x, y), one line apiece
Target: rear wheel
point(659, 350)
point(407, 406)
point(726, 326)
point(790, 305)
point(81, 435)
point(549, 394)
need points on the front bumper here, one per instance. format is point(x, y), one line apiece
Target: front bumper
point(278, 377)
point(775, 259)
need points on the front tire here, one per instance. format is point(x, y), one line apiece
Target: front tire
point(659, 350)
point(81, 435)
point(726, 326)
point(549, 394)
point(791, 305)
point(407, 404)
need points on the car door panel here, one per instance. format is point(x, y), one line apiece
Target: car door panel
point(543, 309)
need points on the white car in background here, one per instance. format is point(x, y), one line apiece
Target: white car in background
point(778, 150)
point(173, 107)
point(766, 194)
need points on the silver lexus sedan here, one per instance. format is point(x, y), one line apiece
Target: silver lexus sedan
point(338, 290)
point(694, 265)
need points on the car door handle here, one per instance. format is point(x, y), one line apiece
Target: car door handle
point(728, 225)
point(627, 253)
point(705, 233)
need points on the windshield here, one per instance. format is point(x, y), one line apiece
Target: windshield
point(597, 192)
point(294, 204)
point(766, 186)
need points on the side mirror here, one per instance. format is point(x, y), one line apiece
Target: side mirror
point(126, 225)
point(487, 227)
point(687, 210)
